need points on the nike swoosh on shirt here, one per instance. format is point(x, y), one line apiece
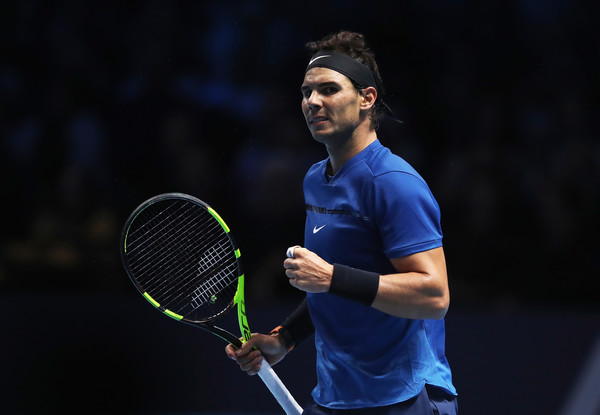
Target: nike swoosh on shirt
point(315, 229)
point(318, 57)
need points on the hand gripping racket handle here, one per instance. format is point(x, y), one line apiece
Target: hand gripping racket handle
point(278, 389)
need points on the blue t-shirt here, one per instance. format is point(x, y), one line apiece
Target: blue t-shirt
point(375, 208)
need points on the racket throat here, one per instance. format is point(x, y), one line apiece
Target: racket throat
point(241, 309)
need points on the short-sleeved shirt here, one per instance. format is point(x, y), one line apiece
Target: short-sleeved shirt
point(376, 207)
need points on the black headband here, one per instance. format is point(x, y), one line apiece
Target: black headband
point(344, 64)
point(353, 69)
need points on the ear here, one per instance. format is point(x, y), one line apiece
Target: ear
point(368, 98)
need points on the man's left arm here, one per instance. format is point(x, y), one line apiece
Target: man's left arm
point(419, 289)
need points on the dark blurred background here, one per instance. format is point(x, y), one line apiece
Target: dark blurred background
point(104, 104)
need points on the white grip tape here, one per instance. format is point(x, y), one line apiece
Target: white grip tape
point(290, 251)
point(278, 389)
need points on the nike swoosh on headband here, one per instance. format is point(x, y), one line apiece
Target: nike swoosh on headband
point(318, 57)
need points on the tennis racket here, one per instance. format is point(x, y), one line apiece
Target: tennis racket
point(180, 255)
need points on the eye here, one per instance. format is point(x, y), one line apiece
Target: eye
point(329, 90)
point(306, 93)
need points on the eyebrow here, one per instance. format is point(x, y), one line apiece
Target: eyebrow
point(304, 87)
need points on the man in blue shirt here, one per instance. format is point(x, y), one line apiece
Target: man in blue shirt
point(372, 265)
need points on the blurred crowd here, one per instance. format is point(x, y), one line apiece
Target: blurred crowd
point(105, 105)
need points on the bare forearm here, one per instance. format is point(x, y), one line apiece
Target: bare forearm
point(412, 295)
point(418, 289)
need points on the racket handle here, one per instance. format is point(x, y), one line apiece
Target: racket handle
point(278, 389)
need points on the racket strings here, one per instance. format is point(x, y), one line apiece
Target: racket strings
point(175, 254)
point(207, 290)
point(209, 279)
point(184, 259)
point(158, 240)
point(153, 236)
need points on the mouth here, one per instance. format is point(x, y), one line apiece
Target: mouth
point(317, 120)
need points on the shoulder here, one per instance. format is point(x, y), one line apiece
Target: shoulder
point(316, 170)
point(386, 167)
point(382, 160)
point(318, 166)
point(394, 180)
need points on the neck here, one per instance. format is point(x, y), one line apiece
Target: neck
point(342, 151)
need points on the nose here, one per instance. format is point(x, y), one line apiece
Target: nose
point(313, 101)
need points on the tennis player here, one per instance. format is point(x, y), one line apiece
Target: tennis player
point(372, 265)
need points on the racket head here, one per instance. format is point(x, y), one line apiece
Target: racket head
point(180, 255)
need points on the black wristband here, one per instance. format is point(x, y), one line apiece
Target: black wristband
point(299, 325)
point(354, 284)
point(286, 336)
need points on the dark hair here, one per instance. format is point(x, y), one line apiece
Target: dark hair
point(354, 45)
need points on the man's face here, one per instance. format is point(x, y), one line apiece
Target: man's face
point(330, 104)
